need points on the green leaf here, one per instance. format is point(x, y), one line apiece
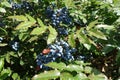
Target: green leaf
point(3, 44)
point(108, 27)
point(3, 32)
point(38, 30)
point(88, 46)
point(25, 25)
point(71, 40)
point(108, 48)
point(33, 38)
point(66, 76)
point(92, 24)
point(84, 39)
point(7, 57)
point(52, 36)
point(82, 63)
point(30, 18)
point(81, 76)
point(69, 3)
point(19, 18)
point(97, 77)
point(15, 76)
point(73, 67)
point(88, 69)
point(1, 63)
point(2, 10)
point(5, 73)
point(97, 33)
point(40, 22)
point(53, 74)
point(6, 3)
point(23, 36)
point(55, 65)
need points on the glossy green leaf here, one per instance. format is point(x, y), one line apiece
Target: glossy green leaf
point(3, 44)
point(84, 39)
point(52, 36)
point(33, 38)
point(69, 3)
point(108, 27)
point(97, 77)
point(53, 74)
point(1, 63)
point(19, 18)
point(41, 24)
point(15, 76)
point(25, 25)
point(30, 18)
point(7, 57)
point(73, 67)
point(23, 36)
point(81, 63)
point(92, 24)
point(97, 33)
point(88, 69)
point(38, 30)
point(6, 3)
point(2, 10)
point(81, 76)
point(5, 73)
point(56, 65)
point(66, 76)
point(71, 40)
point(88, 46)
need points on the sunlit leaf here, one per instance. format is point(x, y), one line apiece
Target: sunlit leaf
point(6, 3)
point(30, 18)
point(71, 40)
point(52, 36)
point(15, 76)
point(38, 30)
point(81, 76)
point(3, 44)
point(55, 65)
point(19, 18)
point(69, 3)
point(97, 33)
point(53, 74)
point(2, 10)
point(41, 24)
point(25, 25)
point(66, 76)
point(5, 73)
point(72, 67)
point(97, 77)
point(1, 63)
point(109, 27)
point(92, 24)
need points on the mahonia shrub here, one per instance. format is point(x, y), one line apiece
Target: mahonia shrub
point(58, 39)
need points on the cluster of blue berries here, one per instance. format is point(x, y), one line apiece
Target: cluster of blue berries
point(59, 16)
point(14, 45)
point(24, 5)
point(60, 49)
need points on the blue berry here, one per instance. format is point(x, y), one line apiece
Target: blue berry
point(1, 39)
